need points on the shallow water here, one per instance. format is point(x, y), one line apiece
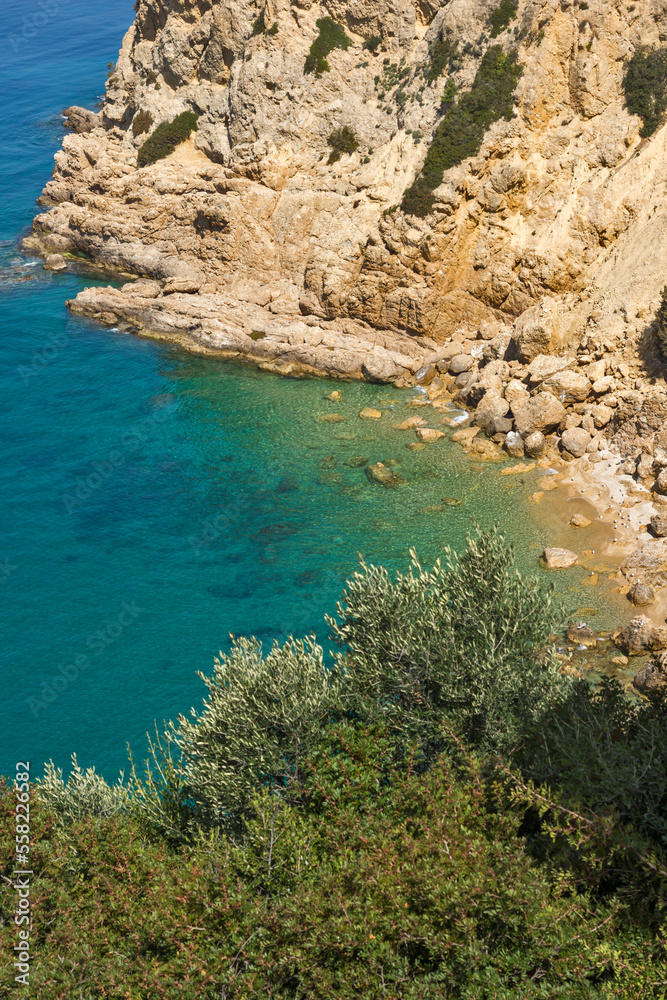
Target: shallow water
point(152, 501)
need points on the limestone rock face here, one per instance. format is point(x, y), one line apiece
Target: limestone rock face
point(648, 563)
point(550, 238)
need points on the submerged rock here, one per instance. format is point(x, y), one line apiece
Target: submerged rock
point(356, 462)
point(383, 474)
point(579, 521)
point(368, 413)
point(556, 558)
point(581, 634)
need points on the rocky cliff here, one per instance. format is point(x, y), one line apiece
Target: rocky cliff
point(266, 235)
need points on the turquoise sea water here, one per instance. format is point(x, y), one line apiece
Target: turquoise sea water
point(152, 502)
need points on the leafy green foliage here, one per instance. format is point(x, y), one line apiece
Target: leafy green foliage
point(661, 322)
point(465, 640)
point(343, 140)
point(645, 87)
point(459, 135)
point(166, 138)
point(372, 44)
point(368, 880)
point(501, 16)
point(142, 122)
point(332, 36)
point(444, 56)
point(262, 715)
point(259, 25)
point(85, 793)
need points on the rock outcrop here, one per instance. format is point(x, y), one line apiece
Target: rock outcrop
point(551, 239)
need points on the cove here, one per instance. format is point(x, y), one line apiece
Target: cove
point(152, 501)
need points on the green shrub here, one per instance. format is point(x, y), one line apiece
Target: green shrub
point(166, 138)
point(444, 55)
point(372, 44)
point(259, 25)
point(263, 714)
point(343, 140)
point(501, 16)
point(142, 122)
point(645, 87)
point(332, 36)
point(83, 795)
point(372, 881)
point(466, 640)
point(459, 135)
point(661, 322)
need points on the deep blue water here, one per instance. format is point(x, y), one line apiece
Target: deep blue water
point(152, 502)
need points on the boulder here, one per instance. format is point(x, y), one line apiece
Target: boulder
point(498, 428)
point(81, 119)
point(568, 386)
point(411, 422)
point(383, 474)
point(368, 413)
point(516, 394)
point(603, 385)
point(460, 363)
point(185, 286)
point(334, 396)
point(576, 440)
point(542, 412)
point(489, 409)
point(544, 366)
point(579, 521)
point(55, 262)
point(648, 562)
point(380, 369)
point(641, 595)
point(661, 482)
point(602, 415)
point(641, 636)
point(653, 675)
point(428, 434)
point(582, 634)
point(537, 331)
point(559, 558)
point(658, 525)
point(535, 444)
point(514, 444)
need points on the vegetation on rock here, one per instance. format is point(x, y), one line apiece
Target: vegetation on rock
point(500, 18)
point(459, 135)
point(259, 25)
point(166, 138)
point(343, 140)
point(661, 322)
point(332, 36)
point(444, 56)
point(645, 87)
point(439, 812)
point(372, 44)
point(142, 122)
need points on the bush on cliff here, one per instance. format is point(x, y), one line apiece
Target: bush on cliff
point(459, 135)
point(645, 87)
point(332, 36)
point(166, 138)
point(661, 322)
point(352, 830)
point(343, 140)
point(370, 880)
